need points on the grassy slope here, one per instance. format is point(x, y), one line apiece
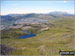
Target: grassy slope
point(49, 42)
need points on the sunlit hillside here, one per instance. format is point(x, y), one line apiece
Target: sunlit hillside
point(59, 36)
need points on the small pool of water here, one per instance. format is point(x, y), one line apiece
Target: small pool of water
point(28, 35)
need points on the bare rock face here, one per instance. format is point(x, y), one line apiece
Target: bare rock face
point(4, 50)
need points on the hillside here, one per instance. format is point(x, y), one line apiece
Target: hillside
point(9, 20)
point(59, 36)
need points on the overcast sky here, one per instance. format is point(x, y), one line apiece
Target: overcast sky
point(23, 7)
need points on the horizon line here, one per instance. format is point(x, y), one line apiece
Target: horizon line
point(36, 13)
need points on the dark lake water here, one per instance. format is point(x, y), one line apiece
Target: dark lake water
point(28, 35)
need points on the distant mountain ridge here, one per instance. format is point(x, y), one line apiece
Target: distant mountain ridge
point(58, 12)
point(61, 13)
point(55, 12)
point(10, 19)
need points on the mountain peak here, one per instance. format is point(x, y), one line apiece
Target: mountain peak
point(58, 12)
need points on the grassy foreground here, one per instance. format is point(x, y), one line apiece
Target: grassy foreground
point(50, 42)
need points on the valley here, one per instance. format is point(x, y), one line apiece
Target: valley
point(53, 33)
